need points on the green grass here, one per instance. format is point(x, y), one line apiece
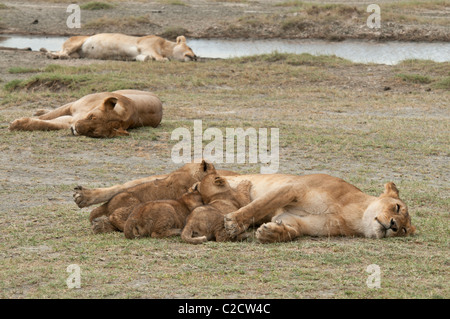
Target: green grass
point(334, 117)
point(443, 83)
point(18, 70)
point(123, 22)
point(173, 2)
point(171, 33)
point(96, 5)
point(415, 78)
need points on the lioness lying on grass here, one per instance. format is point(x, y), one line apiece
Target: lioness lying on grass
point(206, 222)
point(292, 206)
point(106, 114)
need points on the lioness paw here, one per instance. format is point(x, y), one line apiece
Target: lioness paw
point(19, 124)
point(82, 197)
point(232, 227)
point(40, 112)
point(102, 225)
point(275, 232)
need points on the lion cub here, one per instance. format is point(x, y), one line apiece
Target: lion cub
point(206, 222)
point(161, 218)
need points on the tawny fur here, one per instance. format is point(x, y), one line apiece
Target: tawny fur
point(317, 205)
point(168, 187)
point(163, 218)
point(124, 47)
point(85, 197)
point(206, 222)
point(106, 114)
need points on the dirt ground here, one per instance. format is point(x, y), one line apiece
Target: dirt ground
point(235, 19)
point(366, 123)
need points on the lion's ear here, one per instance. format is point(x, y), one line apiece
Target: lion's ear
point(109, 103)
point(219, 181)
point(195, 186)
point(207, 167)
point(390, 190)
point(180, 39)
point(204, 165)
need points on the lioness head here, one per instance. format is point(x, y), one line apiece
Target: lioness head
point(182, 51)
point(388, 215)
point(106, 120)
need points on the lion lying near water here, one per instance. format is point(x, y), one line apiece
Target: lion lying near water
point(124, 47)
point(206, 222)
point(106, 114)
point(317, 205)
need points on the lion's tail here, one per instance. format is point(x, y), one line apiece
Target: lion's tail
point(186, 235)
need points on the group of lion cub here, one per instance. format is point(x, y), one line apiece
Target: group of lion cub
point(197, 201)
point(196, 214)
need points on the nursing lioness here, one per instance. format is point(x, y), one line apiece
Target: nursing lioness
point(106, 114)
point(116, 46)
point(317, 205)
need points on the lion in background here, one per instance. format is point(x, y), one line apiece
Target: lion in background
point(206, 222)
point(119, 46)
point(106, 114)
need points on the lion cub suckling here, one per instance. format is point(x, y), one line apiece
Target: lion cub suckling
point(161, 218)
point(207, 222)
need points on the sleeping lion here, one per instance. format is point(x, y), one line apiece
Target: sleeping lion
point(106, 114)
point(290, 206)
point(116, 46)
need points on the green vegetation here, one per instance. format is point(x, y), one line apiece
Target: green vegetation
point(173, 2)
point(334, 117)
point(123, 22)
point(18, 70)
point(415, 78)
point(95, 5)
point(171, 33)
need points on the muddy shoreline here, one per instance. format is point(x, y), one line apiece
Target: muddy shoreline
point(227, 20)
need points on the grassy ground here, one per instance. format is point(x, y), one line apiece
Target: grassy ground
point(368, 124)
